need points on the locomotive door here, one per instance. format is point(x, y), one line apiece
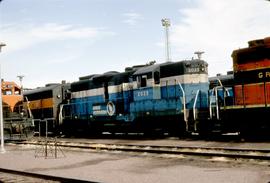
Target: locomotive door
point(156, 86)
point(127, 96)
point(106, 91)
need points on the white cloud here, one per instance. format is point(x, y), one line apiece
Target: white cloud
point(132, 18)
point(26, 35)
point(58, 32)
point(219, 27)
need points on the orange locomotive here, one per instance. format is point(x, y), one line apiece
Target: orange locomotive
point(250, 107)
point(252, 74)
point(16, 120)
point(11, 96)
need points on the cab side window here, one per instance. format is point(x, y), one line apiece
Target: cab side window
point(156, 77)
point(142, 81)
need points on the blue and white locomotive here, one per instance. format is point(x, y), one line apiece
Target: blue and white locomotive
point(163, 96)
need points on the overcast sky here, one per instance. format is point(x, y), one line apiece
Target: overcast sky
point(53, 40)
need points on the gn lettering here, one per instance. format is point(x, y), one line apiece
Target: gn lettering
point(143, 93)
point(264, 75)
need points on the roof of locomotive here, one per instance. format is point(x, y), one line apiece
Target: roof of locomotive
point(182, 67)
point(256, 50)
point(84, 85)
point(147, 69)
point(112, 77)
point(120, 78)
point(87, 77)
point(193, 62)
point(42, 89)
point(104, 77)
point(226, 80)
point(170, 68)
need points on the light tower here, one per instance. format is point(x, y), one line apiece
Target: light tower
point(166, 24)
point(21, 85)
point(2, 148)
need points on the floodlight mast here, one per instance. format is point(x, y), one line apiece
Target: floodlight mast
point(21, 85)
point(166, 24)
point(2, 148)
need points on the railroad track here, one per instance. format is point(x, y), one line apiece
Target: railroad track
point(235, 153)
point(8, 175)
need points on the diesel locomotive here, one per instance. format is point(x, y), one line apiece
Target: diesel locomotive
point(172, 97)
point(155, 96)
point(43, 104)
point(248, 109)
point(17, 122)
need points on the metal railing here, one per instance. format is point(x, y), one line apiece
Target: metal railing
point(184, 104)
point(46, 121)
point(194, 105)
point(60, 115)
point(215, 93)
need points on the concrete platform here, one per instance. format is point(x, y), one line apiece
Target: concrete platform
point(117, 167)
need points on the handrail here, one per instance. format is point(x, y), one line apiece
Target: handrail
point(217, 102)
point(194, 104)
point(215, 89)
point(228, 93)
point(29, 110)
point(184, 104)
point(217, 105)
point(220, 83)
point(60, 115)
point(210, 105)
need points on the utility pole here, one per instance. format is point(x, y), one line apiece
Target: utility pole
point(2, 148)
point(166, 24)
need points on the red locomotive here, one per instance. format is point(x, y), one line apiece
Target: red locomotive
point(252, 74)
point(249, 106)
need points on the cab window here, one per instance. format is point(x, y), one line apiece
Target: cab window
point(142, 81)
point(156, 77)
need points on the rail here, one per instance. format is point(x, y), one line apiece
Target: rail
point(194, 105)
point(242, 153)
point(37, 177)
point(184, 104)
